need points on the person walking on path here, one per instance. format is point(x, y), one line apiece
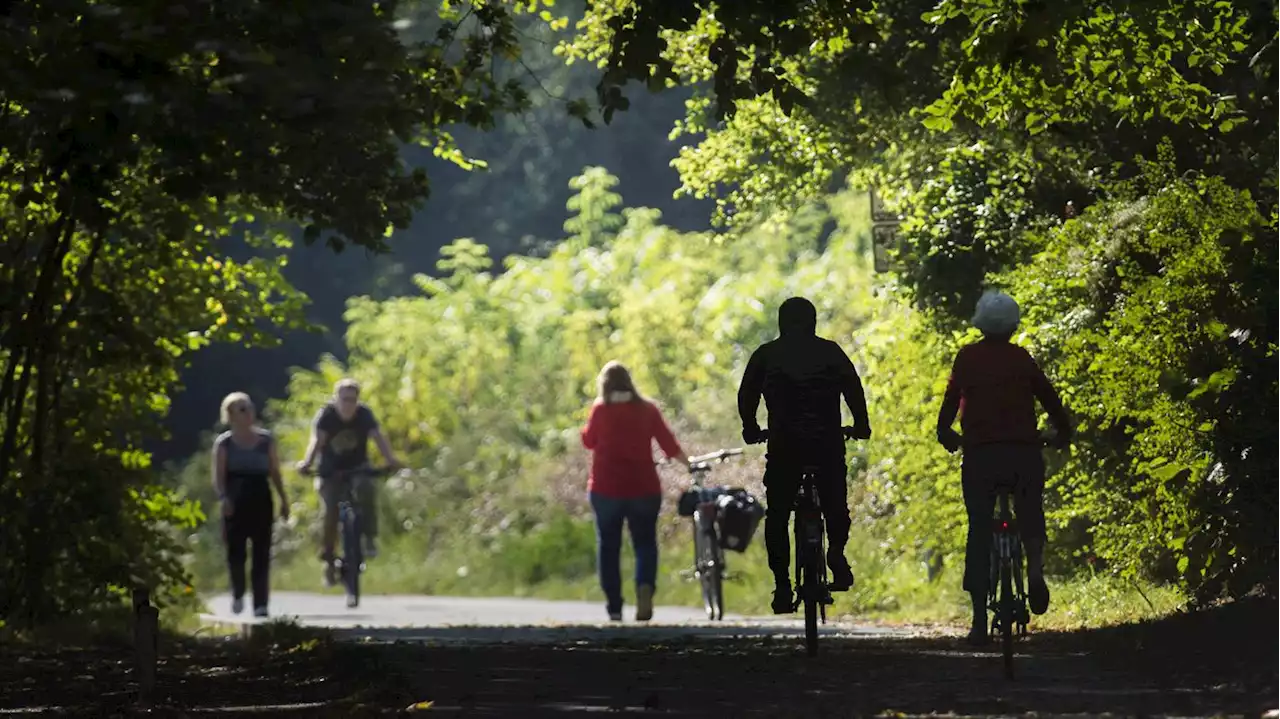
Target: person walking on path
point(624, 485)
point(245, 468)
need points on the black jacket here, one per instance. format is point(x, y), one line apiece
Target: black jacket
point(802, 378)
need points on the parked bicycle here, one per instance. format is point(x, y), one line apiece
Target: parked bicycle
point(812, 589)
point(351, 564)
point(708, 554)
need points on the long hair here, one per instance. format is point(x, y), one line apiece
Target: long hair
point(615, 385)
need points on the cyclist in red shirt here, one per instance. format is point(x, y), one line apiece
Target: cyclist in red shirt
point(624, 485)
point(994, 386)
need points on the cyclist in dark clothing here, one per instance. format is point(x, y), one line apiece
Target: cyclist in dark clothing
point(802, 378)
point(340, 436)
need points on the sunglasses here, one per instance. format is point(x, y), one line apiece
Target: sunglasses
point(242, 408)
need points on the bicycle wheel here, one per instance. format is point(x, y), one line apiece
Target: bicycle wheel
point(811, 589)
point(704, 565)
point(715, 577)
point(352, 555)
point(1007, 616)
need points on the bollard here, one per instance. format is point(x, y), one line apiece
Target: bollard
point(146, 639)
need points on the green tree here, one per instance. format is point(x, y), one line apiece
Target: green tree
point(134, 141)
point(979, 122)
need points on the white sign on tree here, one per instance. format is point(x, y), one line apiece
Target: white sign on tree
point(884, 232)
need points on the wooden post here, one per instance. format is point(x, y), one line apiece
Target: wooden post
point(146, 642)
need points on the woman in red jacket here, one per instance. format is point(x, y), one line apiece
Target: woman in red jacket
point(624, 485)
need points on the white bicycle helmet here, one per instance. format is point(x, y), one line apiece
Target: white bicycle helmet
point(996, 314)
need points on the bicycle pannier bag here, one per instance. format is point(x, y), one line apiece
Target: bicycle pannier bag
point(738, 516)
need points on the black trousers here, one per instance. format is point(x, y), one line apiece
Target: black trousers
point(1020, 466)
point(250, 526)
point(782, 482)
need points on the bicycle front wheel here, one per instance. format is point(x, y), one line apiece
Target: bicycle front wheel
point(717, 577)
point(352, 556)
point(708, 568)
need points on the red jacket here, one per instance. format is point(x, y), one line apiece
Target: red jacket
point(994, 385)
point(621, 436)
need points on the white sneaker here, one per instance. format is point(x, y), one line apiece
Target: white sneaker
point(237, 605)
point(259, 611)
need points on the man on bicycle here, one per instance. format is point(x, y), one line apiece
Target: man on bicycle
point(802, 377)
point(340, 433)
point(994, 386)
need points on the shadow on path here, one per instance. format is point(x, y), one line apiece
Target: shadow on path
point(1222, 661)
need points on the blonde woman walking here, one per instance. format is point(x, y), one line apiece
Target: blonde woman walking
point(244, 461)
point(624, 486)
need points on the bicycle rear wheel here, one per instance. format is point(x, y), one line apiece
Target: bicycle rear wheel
point(352, 555)
point(811, 589)
point(1008, 616)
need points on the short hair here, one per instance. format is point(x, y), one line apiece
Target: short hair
point(230, 401)
point(346, 383)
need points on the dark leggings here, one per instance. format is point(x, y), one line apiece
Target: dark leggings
point(250, 523)
point(985, 466)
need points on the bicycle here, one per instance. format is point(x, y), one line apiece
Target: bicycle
point(708, 555)
point(812, 589)
point(352, 562)
point(1006, 586)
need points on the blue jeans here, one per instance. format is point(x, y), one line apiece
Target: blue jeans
point(641, 516)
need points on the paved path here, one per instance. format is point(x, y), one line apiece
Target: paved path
point(508, 619)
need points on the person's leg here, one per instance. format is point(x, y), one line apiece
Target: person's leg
point(366, 495)
point(833, 495)
point(236, 538)
point(260, 536)
point(979, 503)
point(609, 517)
point(642, 522)
point(330, 492)
point(1029, 509)
point(781, 480)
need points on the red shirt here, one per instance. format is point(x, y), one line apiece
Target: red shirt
point(995, 385)
point(621, 436)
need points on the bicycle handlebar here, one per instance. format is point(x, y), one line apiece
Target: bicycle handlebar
point(719, 455)
point(847, 431)
point(1043, 441)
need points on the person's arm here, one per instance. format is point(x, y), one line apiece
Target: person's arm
point(749, 392)
point(318, 437)
point(591, 433)
point(854, 397)
point(384, 447)
point(950, 407)
point(1052, 403)
point(273, 469)
point(666, 438)
point(219, 464)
